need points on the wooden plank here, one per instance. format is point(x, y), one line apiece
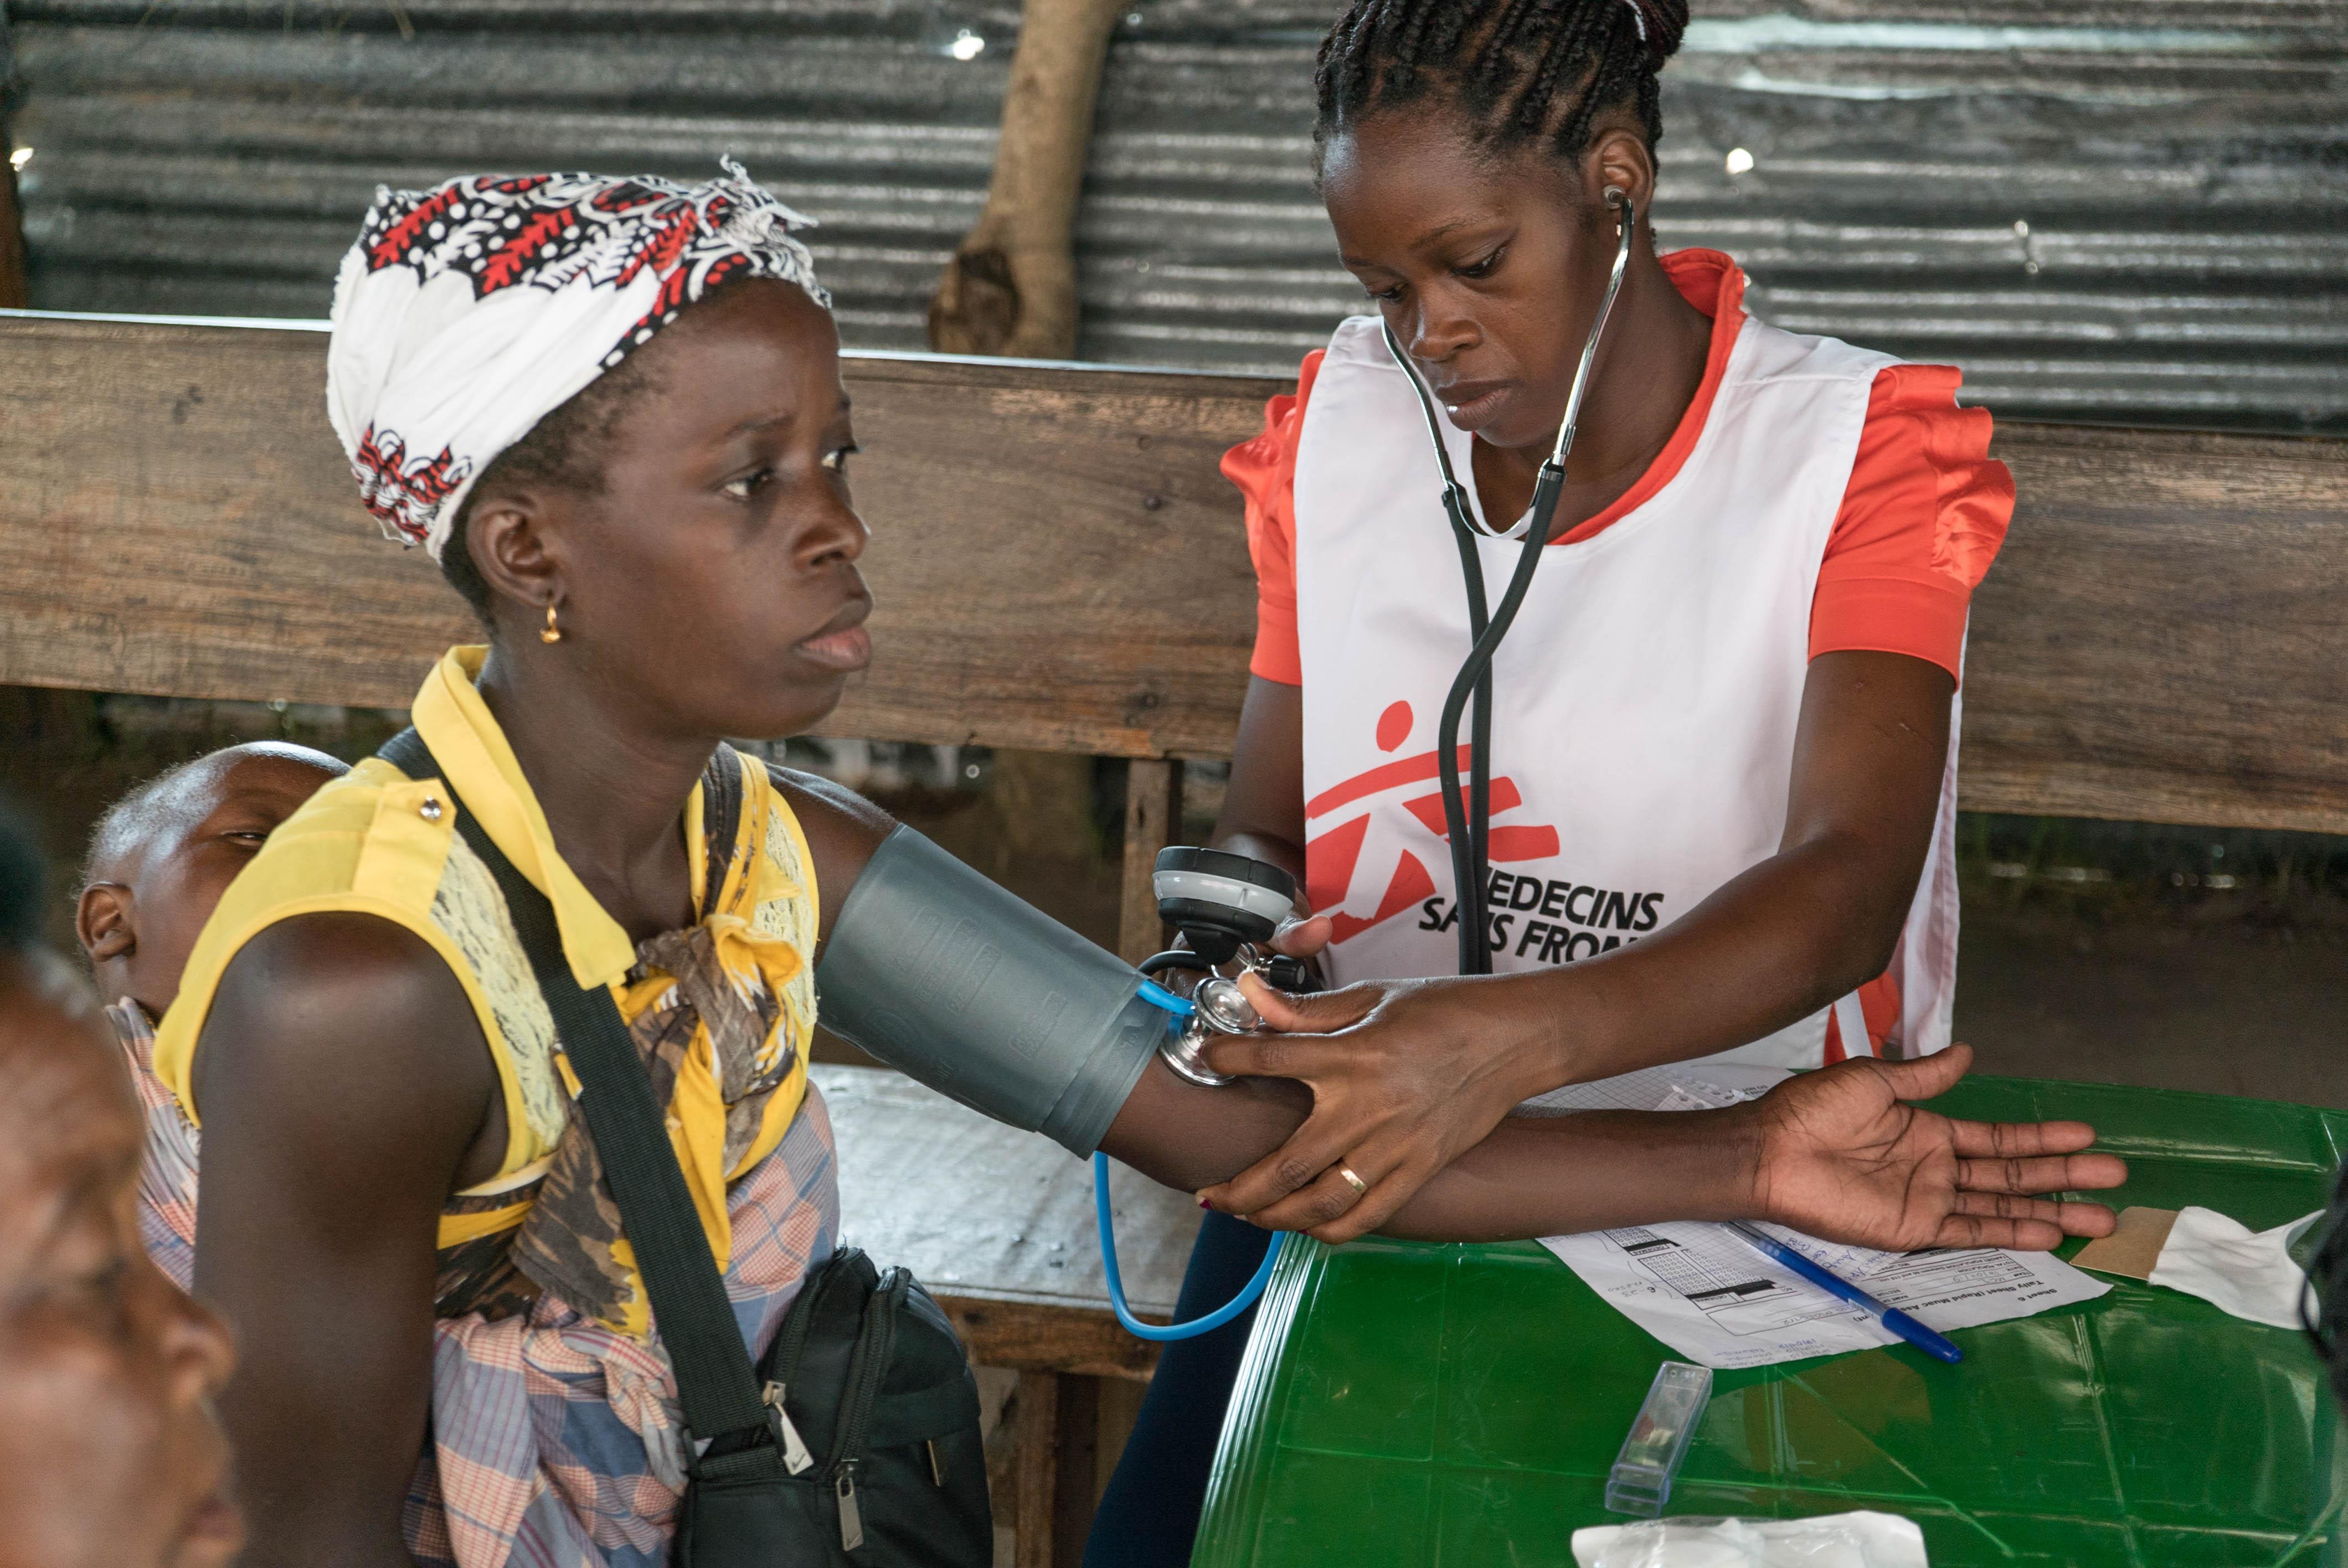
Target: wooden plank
point(1058, 1336)
point(1060, 567)
point(1035, 1421)
point(1053, 553)
point(998, 1223)
point(14, 294)
point(1153, 819)
point(1076, 1460)
point(2162, 638)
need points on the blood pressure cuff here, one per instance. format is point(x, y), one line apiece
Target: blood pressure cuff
point(951, 981)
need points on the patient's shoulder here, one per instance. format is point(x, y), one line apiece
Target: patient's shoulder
point(841, 827)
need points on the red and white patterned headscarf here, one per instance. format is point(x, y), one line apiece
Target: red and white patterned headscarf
point(468, 312)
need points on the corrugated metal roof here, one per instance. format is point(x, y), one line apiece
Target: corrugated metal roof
point(2139, 213)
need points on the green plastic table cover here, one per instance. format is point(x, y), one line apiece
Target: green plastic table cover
point(1416, 1404)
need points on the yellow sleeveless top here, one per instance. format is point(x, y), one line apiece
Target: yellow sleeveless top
point(376, 843)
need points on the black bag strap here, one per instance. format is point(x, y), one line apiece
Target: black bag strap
point(715, 1383)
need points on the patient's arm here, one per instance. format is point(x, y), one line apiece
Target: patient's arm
point(1835, 1152)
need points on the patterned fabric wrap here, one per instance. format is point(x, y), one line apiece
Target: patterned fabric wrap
point(167, 1171)
point(555, 1439)
point(468, 312)
point(571, 1243)
point(555, 1428)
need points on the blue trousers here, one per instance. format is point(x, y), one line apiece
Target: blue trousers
point(1149, 1514)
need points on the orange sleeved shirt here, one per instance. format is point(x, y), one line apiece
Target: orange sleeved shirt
point(1922, 516)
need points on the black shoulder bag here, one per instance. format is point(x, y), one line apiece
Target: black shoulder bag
point(856, 1440)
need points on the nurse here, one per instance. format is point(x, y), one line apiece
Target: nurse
point(1724, 729)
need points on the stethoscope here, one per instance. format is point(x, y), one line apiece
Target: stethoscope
point(1467, 824)
point(1199, 890)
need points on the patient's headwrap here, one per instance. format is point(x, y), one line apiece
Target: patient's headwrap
point(468, 312)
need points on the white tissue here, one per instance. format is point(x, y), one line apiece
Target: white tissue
point(2221, 1261)
point(1862, 1540)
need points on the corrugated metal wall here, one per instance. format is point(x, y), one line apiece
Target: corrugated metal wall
point(2121, 210)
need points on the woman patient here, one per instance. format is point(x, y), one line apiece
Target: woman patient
point(613, 410)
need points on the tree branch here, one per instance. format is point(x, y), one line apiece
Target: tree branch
point(1011, 287)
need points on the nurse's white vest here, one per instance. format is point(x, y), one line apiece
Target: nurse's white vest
point(1645, 702)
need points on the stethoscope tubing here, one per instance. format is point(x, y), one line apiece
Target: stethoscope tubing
point(1247, 1298)
point(1466, 820)
point(1177, 1007)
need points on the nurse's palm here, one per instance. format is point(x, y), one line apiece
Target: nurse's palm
point(1844, 1158)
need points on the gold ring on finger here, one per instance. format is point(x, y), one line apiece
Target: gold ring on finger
point(1361, 1188)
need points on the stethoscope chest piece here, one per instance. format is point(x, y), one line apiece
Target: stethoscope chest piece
point(1465, 835)
point(1218, 1008)
point(1226, 904)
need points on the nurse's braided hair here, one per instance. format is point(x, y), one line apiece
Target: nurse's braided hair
point(1520, 70)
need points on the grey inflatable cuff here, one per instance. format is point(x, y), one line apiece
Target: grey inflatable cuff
point(945, 976)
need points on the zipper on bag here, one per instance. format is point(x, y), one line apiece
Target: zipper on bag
point(851, 1518)
point(795, 1457)
point(868, 1364)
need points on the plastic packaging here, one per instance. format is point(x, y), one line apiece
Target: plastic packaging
point(1641, 1481)
point(1862, 1539)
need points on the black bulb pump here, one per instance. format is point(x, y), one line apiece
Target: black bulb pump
point(1220, 902)
point(1467, 822)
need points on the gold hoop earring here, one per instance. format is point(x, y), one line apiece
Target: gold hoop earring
point(553, 633)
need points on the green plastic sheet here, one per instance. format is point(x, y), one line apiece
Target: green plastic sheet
point(1414, 1404)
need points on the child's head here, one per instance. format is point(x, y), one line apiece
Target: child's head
point(164, 854)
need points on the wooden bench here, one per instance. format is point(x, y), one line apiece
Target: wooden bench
point(1059, 566)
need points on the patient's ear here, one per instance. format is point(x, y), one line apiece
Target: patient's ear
point(103, 922)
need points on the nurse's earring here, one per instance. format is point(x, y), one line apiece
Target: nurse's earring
point(553, 633)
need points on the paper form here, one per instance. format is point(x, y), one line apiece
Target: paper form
point(1675, 1086)
point(1719, 1302)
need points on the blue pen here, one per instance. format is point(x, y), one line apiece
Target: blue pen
point(1834, 1285)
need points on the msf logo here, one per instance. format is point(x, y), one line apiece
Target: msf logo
point(1356, 839)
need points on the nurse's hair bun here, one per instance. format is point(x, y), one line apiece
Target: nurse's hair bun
point(1516, 71)
point(1661, 25)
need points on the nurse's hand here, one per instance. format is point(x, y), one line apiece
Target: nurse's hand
point(1405, 1075)
point(1305, 939)
point(1843, 1159)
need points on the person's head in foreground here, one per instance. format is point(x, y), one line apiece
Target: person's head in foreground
point(163, 855)
point(110, 1455)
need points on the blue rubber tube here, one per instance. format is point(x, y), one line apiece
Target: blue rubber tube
point(1179, 1007)
point(1135, 1326)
